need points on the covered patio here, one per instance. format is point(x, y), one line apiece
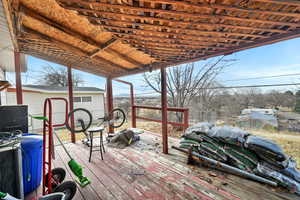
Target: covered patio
point(119, 38)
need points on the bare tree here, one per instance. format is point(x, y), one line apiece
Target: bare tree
point(276, 98)
point(57, 77)
point(185, 82)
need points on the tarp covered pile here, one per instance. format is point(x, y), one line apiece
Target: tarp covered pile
point(124, 138)
point(242, 150)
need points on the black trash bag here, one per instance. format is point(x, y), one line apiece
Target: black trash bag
point(229, 135)
point(274, 164)
point(241, 158)
point(291, 170)
point(266, 149)
point(281, 179)
point(202, 127)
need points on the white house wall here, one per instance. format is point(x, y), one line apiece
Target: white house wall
point(35, 102)
point(2, 93)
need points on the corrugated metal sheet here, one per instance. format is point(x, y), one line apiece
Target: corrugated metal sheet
point(6, 46)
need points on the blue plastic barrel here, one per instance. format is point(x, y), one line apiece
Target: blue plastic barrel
point(32, 158)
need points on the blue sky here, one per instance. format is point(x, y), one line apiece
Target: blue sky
point(271, 60)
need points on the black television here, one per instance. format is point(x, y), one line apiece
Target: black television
point(14, 117)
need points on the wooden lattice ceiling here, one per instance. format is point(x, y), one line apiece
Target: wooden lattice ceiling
point(120, 37)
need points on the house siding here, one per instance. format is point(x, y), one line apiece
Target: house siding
point(35, 102)
point(2, 93)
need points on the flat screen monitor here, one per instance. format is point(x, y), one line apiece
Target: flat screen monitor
point(14, 117)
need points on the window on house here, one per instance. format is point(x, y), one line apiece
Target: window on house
point(77, 99)
point(87, 99)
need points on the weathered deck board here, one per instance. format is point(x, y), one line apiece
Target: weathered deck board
point(87, 192)
point(142, 172)
point(143, 186)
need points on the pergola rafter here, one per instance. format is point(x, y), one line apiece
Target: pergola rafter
point(119, 38)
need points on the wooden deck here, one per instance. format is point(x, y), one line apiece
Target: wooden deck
point(142, 172)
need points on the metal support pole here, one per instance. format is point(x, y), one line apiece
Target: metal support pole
point(109, 100)
point(133, 109)
point(19, 93)
point(71, 102)
point(186, 119)
point(164, 110)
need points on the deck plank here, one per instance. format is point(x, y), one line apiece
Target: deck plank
point(87, 192)
point(187, 173)
point(115, 183)
point(144, 184)
point(139, 184)
point(96, 183)
point(168, 176)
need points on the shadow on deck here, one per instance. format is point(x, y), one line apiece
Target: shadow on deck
point(141, 171)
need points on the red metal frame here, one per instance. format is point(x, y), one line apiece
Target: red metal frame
point(19, 93)
point(164, 109)
point(48, 128)
point(109, 99)
point(185, 111)
point(70, 87)
point(133, 111)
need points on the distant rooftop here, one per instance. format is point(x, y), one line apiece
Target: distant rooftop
point(58, 89)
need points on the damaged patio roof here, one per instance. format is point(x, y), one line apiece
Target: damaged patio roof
point(116, 38)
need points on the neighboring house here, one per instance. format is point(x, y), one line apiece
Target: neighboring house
point(265, 111)
point(258, 118)
point(34, 96)
point(7, 59)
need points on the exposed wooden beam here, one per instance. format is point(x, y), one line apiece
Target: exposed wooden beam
point(177, 22)
point(262, 42)
point(4, 85)
point(172, 12)
point(185, 40)
point(106, 45)
point(153, 46)
point(84, 38)
point(36, 54)
point(196, 37)
point(174, 50)
point(225, 7)
point(50, 22)
point(187, 31)
point(164, 54)
point(170, 53)
point(281, 2)
point(163, 40)
point(73, 49)
point(10, 22)
point(171, 45)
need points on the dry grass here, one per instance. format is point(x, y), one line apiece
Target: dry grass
point(290, 142)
